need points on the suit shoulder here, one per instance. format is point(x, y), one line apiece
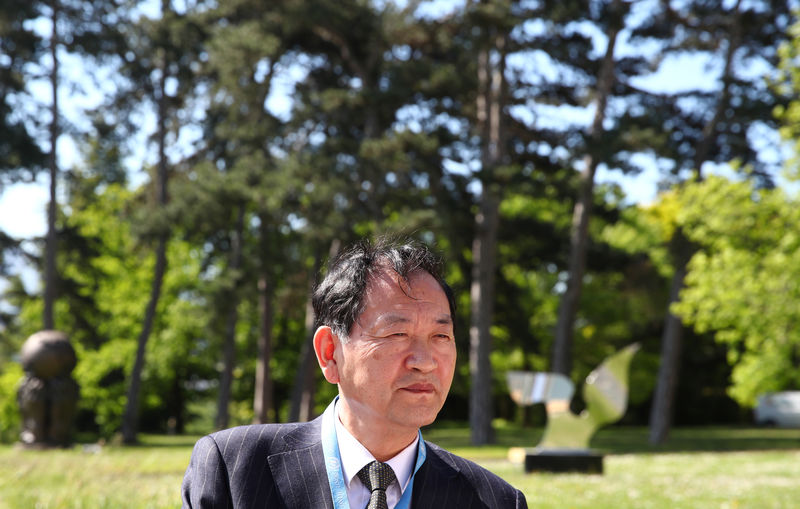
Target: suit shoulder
point(469, 469)
point(253, 431)
point(254, 438)
point(488, 485)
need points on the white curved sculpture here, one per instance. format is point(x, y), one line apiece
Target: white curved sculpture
point(605, 393)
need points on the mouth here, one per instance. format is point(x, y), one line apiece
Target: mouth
point(420, 388)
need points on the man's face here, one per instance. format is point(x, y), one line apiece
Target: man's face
point(396, 368)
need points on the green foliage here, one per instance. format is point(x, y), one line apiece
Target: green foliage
point(101, 375)
point(647, 229)
point(105, 282)
point(10, 377)
point(21, 46)
point(743, 284)
point(648, 234)
point(787, 82)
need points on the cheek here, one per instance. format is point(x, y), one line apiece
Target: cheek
point(447, 353)
point(371, 365)
point(448, 361)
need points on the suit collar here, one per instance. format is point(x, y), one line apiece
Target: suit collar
point(304, 435)
point(440, 464)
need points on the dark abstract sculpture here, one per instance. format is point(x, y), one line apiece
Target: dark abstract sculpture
point(565, 443)
point(47, 396)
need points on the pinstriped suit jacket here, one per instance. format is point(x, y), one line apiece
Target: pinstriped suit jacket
point(282, 466)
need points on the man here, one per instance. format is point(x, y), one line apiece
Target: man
point(385, 337)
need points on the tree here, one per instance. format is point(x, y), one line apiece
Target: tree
point(302, 399)
point(738, 34)
point(491, 95)
point(364, 115)
point(104, 278)
point(50, 243)
point(542, 152)
point(84, 38)
point(739, 282)
point(787, 84)
point(236, 201)
point(20, 155)
point(579, 236)
point(165, 62)
point(742, 282)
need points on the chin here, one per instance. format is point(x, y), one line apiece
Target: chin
point(422, 418)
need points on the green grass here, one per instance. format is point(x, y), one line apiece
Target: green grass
point(146, 476)
point(697, 468)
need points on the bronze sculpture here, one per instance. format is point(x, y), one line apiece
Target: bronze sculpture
point(47, 395)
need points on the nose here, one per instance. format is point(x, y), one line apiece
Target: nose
point(421, 356)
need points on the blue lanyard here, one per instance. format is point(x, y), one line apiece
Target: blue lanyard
point(333, 463)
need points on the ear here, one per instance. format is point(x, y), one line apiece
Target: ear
point(325, 344)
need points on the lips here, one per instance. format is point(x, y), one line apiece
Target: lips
point(420, 388)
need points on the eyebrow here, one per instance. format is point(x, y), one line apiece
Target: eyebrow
point(444, 320)
point(394, 318)
point(391, 319)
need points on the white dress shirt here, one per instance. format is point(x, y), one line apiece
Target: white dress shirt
point(354, 456)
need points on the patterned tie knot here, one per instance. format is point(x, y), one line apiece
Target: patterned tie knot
point(376, 476)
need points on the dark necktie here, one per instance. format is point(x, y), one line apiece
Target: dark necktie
point(377, 477)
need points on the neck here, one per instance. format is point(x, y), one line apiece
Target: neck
point(383, 441)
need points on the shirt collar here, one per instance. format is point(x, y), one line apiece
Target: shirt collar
point(354, 456)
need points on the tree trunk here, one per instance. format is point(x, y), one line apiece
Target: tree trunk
point(302, 403)
point(490, 102)
point(130, 419)
point(579, 243)
point(229, 339)
point(664, 396)
point(482, 300)
point(51, 239)
point(582, 212)
point(661, 411)
point(263, 390)
point(177, 422)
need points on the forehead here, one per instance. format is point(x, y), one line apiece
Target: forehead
point(385, 286)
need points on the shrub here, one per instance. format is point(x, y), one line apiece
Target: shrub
point(10, 377)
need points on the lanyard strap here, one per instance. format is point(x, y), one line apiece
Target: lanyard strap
point(333, 463)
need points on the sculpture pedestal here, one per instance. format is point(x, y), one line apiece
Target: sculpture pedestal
point(563, 460)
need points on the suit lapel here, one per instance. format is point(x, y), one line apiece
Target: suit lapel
point(299, 469)
point(436, 484)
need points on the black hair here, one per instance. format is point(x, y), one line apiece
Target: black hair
point(339, 299)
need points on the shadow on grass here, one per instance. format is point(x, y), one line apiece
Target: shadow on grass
point(626, 440)
point(611, 440)
point(706, 439)
point(146, 440)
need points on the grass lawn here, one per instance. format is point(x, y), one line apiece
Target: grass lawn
point(147, 476)
point(697, 468)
